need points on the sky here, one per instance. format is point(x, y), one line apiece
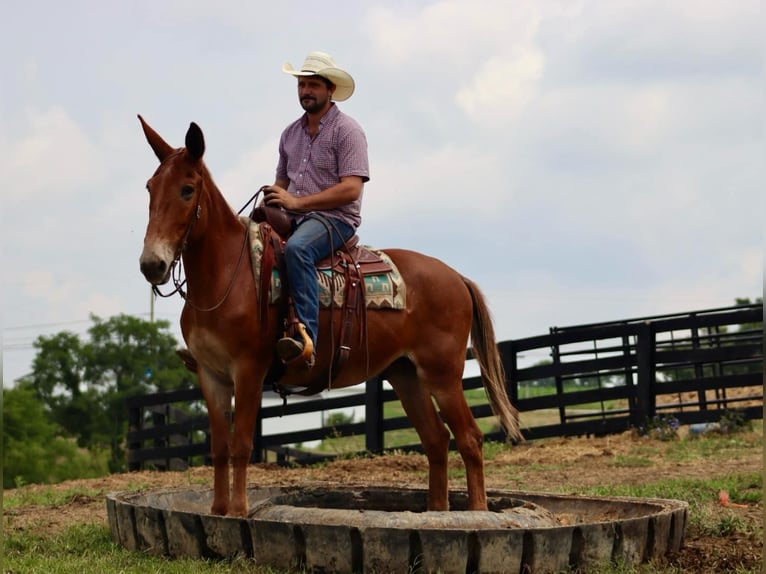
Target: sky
point(581, 160)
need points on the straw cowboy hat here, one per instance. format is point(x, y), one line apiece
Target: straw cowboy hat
point(322, 64)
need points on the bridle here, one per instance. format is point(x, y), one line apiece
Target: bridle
point(176, 267)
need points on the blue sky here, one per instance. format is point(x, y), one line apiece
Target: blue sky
point(607, 157)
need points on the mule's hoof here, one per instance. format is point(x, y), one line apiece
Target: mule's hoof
point(218, 510)
point(240, 513)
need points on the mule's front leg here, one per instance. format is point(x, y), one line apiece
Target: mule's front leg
point(248, 401)
point(218, 400)
point(219, 448)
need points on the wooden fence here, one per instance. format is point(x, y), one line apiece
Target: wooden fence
point(595, 379)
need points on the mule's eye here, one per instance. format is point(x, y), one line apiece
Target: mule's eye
point(187, 191)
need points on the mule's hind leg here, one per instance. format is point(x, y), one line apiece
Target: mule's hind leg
point(433, 434)
point(468, 438)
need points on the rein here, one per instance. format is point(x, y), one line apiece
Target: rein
point(176, 266)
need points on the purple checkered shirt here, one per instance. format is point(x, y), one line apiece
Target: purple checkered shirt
point(313, 164)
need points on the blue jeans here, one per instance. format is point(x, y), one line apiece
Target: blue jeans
point(309, 244)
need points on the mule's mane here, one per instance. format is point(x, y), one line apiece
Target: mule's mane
point(205, 173)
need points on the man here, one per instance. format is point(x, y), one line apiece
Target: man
point(320, 178)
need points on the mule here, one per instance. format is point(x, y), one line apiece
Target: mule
point(419, 350)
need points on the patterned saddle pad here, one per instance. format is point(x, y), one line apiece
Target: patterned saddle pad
point(381, 290)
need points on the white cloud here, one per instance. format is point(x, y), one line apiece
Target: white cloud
point(52, 292)
point(253, 168)
point(100, 304)
point(432, 183)
point(503, 86)
point(484, 52)
point(53, 157)
point(40, 284)
point(448, 34)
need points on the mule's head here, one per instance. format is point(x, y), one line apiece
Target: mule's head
point(175, 192)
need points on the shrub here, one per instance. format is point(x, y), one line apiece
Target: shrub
point(661, 427)
point(733, 421)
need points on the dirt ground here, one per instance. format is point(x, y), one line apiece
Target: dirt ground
point(557, 465)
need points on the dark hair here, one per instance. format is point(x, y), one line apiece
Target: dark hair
point(327, 82)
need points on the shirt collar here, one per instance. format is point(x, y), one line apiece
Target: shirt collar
point(331, 114)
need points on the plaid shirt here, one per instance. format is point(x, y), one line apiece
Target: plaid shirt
point(313, 164)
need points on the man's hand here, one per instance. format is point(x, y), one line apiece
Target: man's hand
point(277, 196)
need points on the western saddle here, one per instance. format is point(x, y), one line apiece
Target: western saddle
point(350, 260)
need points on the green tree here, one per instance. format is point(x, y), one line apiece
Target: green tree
point(83, 384)
point(750, 326)
point(34, 450)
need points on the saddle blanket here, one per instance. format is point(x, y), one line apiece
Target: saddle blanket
point(381, 291)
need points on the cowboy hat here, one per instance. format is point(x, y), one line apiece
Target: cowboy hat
point(322, 64)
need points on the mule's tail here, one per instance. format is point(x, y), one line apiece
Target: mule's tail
point(486, 354)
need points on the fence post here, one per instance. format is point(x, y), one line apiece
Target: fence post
point(135, 423)
point(645, 374)
point(698, 370)
point(557, 376)
point(373, 415)
point(508, 356)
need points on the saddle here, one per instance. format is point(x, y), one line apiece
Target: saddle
point(351, 260)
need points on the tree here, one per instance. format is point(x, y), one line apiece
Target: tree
point(758, 326)
point(34, 450)
point(83, 384)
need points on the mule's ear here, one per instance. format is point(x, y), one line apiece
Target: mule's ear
point(160, 147)
point(195, 142)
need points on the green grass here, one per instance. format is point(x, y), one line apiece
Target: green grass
point(741, 488)
point(712, 446)
point(702, 496)
point(44, 497)
point(89, 548)
point(632, 462)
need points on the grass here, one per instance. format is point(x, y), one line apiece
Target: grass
point(702, 496)
point(89, 547)
point(45, 497)
point(632, 461)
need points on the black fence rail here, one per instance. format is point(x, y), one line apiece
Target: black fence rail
point(595, 379)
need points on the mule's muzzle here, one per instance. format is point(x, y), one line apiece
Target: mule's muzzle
point(156, 269)
point(156, 272)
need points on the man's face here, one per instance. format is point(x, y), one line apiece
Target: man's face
point(313, 94)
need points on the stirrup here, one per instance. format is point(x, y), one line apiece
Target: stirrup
point(306, 355)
